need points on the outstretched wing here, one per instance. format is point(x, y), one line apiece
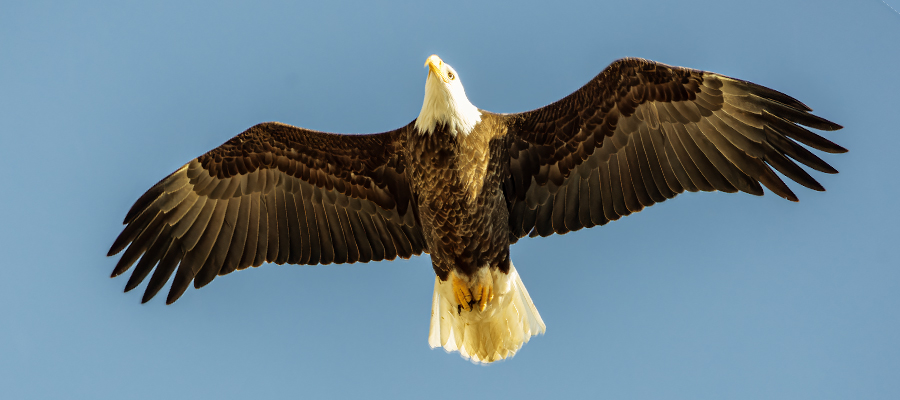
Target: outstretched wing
point(274, 193)
point(641, 132)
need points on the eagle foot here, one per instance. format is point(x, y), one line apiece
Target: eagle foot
point(482, 294)
point(485, 293)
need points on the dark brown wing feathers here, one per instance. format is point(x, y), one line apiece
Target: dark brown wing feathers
point(274, 193)
point(642, 132)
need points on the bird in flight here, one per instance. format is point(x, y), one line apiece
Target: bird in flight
point(463, 184)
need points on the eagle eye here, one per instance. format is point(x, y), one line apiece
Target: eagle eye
point(450, 75)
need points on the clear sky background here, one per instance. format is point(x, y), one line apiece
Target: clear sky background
point(706, 296)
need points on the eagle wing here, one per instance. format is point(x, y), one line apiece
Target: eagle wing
point(641, 132)
point(274, 193)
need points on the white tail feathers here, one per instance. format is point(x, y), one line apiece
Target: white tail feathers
point(508, 321)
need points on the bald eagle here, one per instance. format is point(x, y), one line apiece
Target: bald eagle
point(463, 184)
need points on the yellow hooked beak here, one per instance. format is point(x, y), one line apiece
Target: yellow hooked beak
point(434, 64)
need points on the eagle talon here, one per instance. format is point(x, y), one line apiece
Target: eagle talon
point(478, 296)
point(486, 296)
point(461, 290)
point(484, 293)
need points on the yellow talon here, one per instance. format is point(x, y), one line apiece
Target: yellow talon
point(485, 291)
point(461, 290)
point(487, 297)
point(483, 302)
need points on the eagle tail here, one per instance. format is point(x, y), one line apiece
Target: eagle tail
point(508, 321)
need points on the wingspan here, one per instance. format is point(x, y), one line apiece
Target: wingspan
point(274, 193)
point(641, 132)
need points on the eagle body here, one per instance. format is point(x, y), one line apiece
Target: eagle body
point(457, 181)
point(464, 184)
point(463, 212)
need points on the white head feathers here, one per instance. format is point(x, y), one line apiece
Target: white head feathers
point(445, 101)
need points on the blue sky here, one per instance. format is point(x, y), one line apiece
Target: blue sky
point(706, 296)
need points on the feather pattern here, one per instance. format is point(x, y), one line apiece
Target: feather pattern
point(641, 132)
point(274, 193)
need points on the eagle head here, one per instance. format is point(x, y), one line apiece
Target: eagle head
point(445, 101)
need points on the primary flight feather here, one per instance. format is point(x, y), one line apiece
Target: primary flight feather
point(463, 184)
